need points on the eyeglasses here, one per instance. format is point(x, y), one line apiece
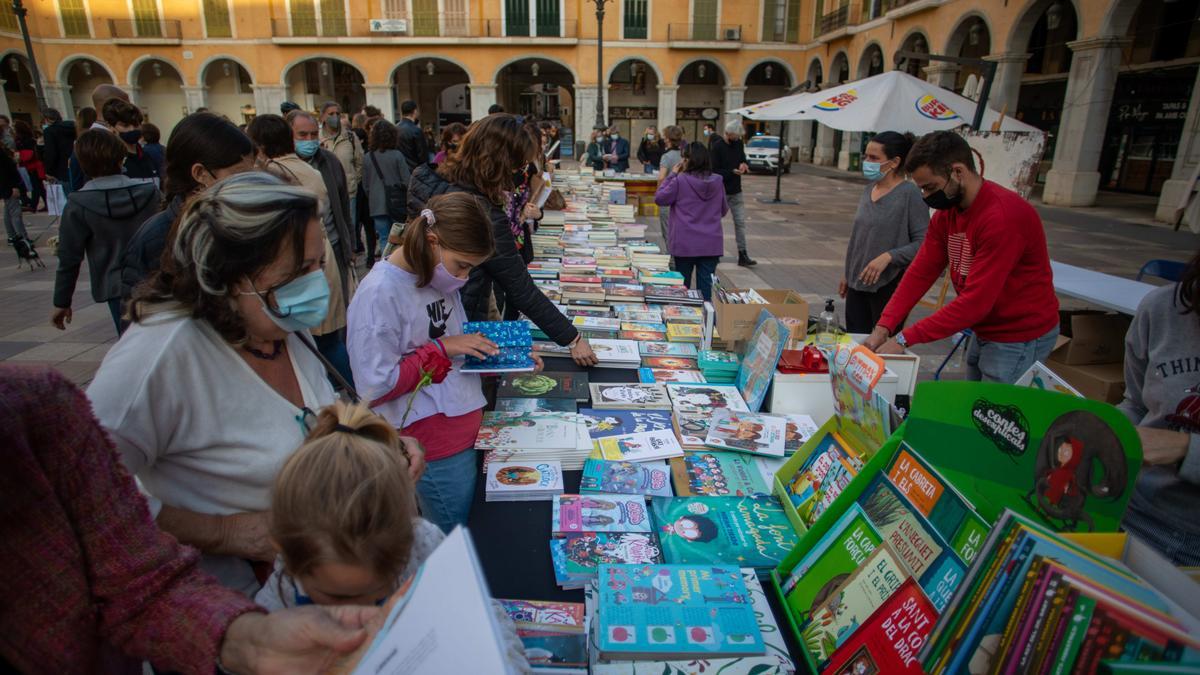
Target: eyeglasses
point(307, 419)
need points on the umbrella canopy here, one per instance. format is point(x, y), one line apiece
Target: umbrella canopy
point(893, 101)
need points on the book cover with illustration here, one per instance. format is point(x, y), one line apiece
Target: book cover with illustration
point(763, 351)
point(843, 549)
point(599, 513)
point(521, 477)
point(554, 652)
point(632, 478)
point(1070, 463)
point(527, 431)
point(665, 375)
point(750, 531)
point(615, 422)
point(638, 447)
point(678, 349)
point(865, 590)
point(669, 362)
point(630, 395)
point(545, 615)
point(545, 385)
point(950, 514)
point(684, 332)
point(671, 611)
point(890, 640)
point(642, 335)
point(755, 433)
point(703, 399)
point(799, 429)
point(644, 325)
point(616, 353)
point(535, 405)
point(692, 430)
point(577, 557)
point(822, 477)
point(717, 474)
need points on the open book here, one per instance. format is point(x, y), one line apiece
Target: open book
point(440, 621)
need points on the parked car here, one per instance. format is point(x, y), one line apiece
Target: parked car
point(762, 153)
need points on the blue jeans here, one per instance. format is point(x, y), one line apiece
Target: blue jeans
point(705, 267)
point(447, 488)
point(1006, 361)
point(383, 227)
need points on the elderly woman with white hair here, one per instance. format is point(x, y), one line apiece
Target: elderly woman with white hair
point(729, 162)
point(216, 381)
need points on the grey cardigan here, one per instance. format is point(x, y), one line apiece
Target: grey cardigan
point(895, 224)
point(393, 170)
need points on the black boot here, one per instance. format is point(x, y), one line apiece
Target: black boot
point(744, 260)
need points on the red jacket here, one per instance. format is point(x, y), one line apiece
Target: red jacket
point(996, 250)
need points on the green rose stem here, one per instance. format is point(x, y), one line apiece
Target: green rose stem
point(426, 378)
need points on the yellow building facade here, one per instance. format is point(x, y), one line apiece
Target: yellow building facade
point(1077, 68)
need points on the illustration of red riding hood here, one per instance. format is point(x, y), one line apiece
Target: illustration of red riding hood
point(1061, 480)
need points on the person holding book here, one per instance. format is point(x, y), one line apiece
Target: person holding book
point(1162, 397)
point(889, 227)
point(650, 150)
point(695, 238)
point(404, 328)
point(994, 244)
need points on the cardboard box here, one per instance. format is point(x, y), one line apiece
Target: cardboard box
point(1099, 382)
point(736, 322)
point(1087, 338)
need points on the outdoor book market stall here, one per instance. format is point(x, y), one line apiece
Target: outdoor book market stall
point(671, 512)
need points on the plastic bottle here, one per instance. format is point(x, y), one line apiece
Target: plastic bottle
point(827, 326)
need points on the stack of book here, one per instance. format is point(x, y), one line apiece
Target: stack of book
point(616, 353)
point(630, 396)
point(651, 479)
point(513, 340)
point(692, 333)
point(667, 295)
point(754, 433)
point(718, 366)
point(630, 435)
point(554, 634)
point(717, 474)
point(596, 326)
point(577, 557)
point(523, 481)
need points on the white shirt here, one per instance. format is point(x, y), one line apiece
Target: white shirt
point(199, 428)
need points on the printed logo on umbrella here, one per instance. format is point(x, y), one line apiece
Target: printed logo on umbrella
point(934, 109)
point(836, 103)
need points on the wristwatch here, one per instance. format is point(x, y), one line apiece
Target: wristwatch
point(899, 338)
point(578, 337)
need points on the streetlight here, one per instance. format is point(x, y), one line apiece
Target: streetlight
point(20, 11)
point(600, 125)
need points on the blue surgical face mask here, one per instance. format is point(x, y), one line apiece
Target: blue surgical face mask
point(307, 149)
point(872, 170)
point(300, 303)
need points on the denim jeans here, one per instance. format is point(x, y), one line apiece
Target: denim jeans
point(705, 267)
point(1006, 361)
point(447, 488)
point(14, 223)
point(383, 227)
point(737, 207)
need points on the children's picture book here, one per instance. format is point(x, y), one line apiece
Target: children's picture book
point(950, 514)
point(763, 350)
point(639, 447)
point(775, 661)
point(535, 405)
point(599, 513)
point(703, 399)
point(616, 353)
point(822, 477)
point(843, 549)
point(1040, 376)
point(665, 375)
point(577, 557)
point(604, 423)
point(717, 474)
point(652, 316)
point(675, 362)
point(799, 429)
point(890, 640)
point(683, 314)
point(527, 431)
point(513, 340)
point(520, 481)
point(597, 324)
point(544, 385)
point(554, 652)
point(684, 332)
point(545, 615)
point(692, 430)
point(675, 611)
point(678, 349)
point(643, 325)
point(756, 433)
point(709, 530)
point(642, 335)
point(853, 602)
point(630, 395)
point(645, 478)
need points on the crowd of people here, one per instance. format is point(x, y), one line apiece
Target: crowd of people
point(237, 251)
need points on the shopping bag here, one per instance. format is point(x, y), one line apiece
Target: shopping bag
point(56, 198)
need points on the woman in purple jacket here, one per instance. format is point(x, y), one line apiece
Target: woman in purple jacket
point(697, 199)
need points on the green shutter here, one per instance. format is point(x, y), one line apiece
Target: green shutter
point(704, 20)
point(74, 18)
point(8, 20)
point(548, 18)
point(333, 18)
point(425, 18)
point(817, 17)
point(145, 18)
point(636, 20)
point(216, 18)
point(768, 21)
point(792, 29)
point(304, 18)
point(516, 17)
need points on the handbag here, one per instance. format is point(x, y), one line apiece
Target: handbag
point(395, 195)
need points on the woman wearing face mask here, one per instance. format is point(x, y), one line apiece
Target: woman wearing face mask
point(650, 150)
point(595, 151)
point(203, 149)
point(125, 119)
point(888, 230)
point(405, 320)
point(451, 137)
point(240, 286)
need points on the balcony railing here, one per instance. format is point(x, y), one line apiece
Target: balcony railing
point(144, 29)
point(889, 5)
point(419, 26)
point(838, 18)
point(704, 32)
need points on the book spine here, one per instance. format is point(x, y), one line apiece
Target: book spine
point(1015, 619)
point(1101, 636)
point(991, 607)
point(1046, 604)
point(1052, 630)
point(1081, 619)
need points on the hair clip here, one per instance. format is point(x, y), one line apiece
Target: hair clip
point(343, 428)
point(430, 220)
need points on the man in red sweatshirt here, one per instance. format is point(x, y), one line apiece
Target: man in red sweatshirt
point(995, 245)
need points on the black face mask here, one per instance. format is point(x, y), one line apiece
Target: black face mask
point(132, 136)
point(941, 201)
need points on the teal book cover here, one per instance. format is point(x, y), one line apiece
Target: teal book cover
point(717, 474)
point(741, 531)
point(633, 478)
point(668, 611)
point(835, 557)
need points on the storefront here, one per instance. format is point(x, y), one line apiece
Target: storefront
point(1144, 127)
point(692, 121)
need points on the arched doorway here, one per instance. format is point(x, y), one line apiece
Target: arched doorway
point(871, 61)
point(839, 69)
point(815, 75)
point(1043, 32)
point(916, 42)
point(765, 81)
point(159, 93)
point(229, 90)
point(19, 89)
point(540, 88)
point(83, 76)
point(1151, 98)
point(633, 98)
point(701, 97)
point(971, 40)
point(314, 81)
point(439, 88)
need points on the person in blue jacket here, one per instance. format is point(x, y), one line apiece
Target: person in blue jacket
point(616, 151)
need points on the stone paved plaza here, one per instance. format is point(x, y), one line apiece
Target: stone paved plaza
point(798, 246)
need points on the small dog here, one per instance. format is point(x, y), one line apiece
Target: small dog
point(26, 253)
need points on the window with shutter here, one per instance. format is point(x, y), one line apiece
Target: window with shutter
point(74, 18)
point(145, 18)
point(516, 17)
point(304, 18)
point(704, 20)
point(548, 18)
point(636, 19)
point(8, 20)
point(425, 18)
point(333, 18)
point(216, 19)
point(792, 25)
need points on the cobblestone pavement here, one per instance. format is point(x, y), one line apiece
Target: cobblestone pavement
point(798, 245)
